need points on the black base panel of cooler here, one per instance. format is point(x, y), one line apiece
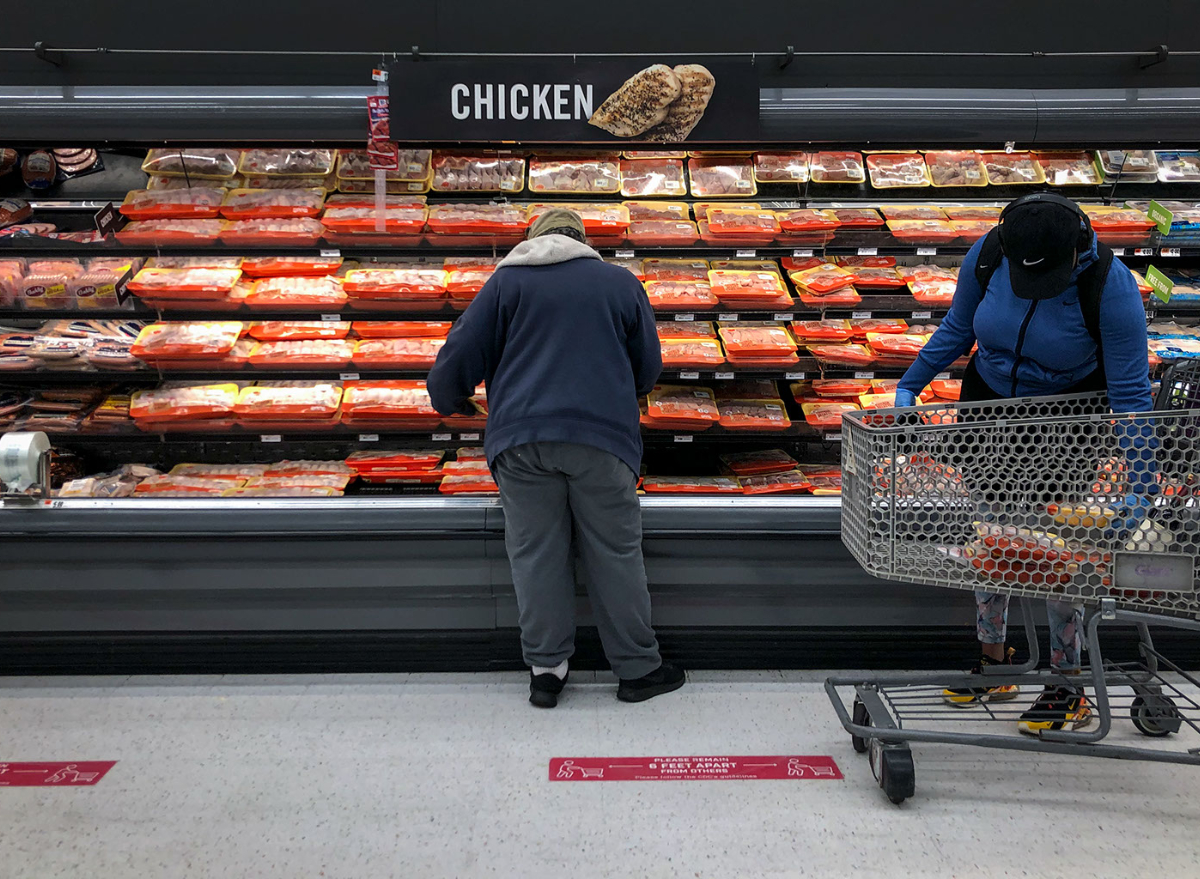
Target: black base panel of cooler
point(474, 651)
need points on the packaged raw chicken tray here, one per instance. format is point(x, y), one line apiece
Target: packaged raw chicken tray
point(408, 220)
point(188, 162)
point(805, 220)
point(1013, 169)
point(453, 172)
point(973, 212)
point(598, 219)
point(402, 329)
point(720, 177)
point(855, 218)
point(297, 293)
point(293, 232)
point(902, 347)
point(192, 283)
point(732, 286)
point(413, 165)
point(1068, 168)
point(192, 339)
point(314, 352)
point(285, 266)
point(477, 219)
point(766, 415)
point(956, 168)
point(658, 210)
point(1118, 226)
point(286, 400)
point(893, 171)
point(643, 177)
point(1178, 167)
point(397, 353)
point(1135, 166)
point(922, 231)
point(173, 204)
point(672, 330)
point(469, 483)
point(758, 341)
point(183, 402)
point(874, 276)
point(972, 230)
point(262, 204)
point(581, 175)
point(793, 482)
point(287, 162)
point(679, 407)
point(781, 167)
point(381, 401)
point(732, 223)
point(827, 416)
point(837, 167)
point(143, 232)
point(822, 280)
point(662, 233)
point(691, 352)
point(805, 331)
point(408, 282)
point(655, 269)
point(298, 330)
point(364, 463)
point(680, 295)
point(690, 485)
point(846, 355)
point(758, 463)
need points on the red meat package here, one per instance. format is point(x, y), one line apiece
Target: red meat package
point(280, 266)
point(691, 352)
point(172, 204)
point(792, 482)
point(297, 293)
point(298, 330)
point(397, 353)
point(842, 355)
point(682, 408)
point(769, 415)
point(759, 463)
point(757, 340)
point(680, 295)
point(263, 204)
point(191, 339)
point(690, 485)
point(293, 399)
point(318, 352)
point(295, 231)
point(826, 416)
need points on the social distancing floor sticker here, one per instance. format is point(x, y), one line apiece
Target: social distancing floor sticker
point(76, 773)
point(780, 768)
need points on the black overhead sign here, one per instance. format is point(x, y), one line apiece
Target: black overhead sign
point(622, 100)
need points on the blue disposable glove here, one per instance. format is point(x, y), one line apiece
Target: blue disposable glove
point(905, 399)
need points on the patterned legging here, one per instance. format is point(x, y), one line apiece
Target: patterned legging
point(1066, 627)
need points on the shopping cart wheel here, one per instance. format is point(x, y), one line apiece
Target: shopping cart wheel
point(892, 765)
point(861, 717)
point(1155, 715)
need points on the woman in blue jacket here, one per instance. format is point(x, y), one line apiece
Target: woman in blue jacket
point(1058, 315)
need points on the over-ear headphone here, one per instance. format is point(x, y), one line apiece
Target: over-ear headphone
point(1085, 234)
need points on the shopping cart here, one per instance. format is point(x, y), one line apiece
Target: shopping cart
point(1041, 498)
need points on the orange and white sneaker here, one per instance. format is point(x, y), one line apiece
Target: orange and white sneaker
point(1056, 708)
point(969, 697)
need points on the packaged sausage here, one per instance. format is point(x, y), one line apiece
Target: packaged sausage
point(894, 171)
point(754, 415)
point(318, 352)
point(575, 175)
point(680, 295)
point(658, 210)
point(1066, 168)
point(722, 177)
point(691, 352)
point(663, 233)
point(259, 204)
point(645, 177)
point(287, 162)
point(656, 269)
point(1013, 169)
point(1175, 167)
point(298, 330)
point(956, 168)
point(188, 339)
point(682, 407)
point(404, 353)
point(826, 416)
point(793, 482)
point(483, 172)
point(198, 162)
point(288, 400)
point(151, 232)
point(837, 167)
point(297, 293)
point(413, 165)
point(407, 282)
point(170, 204)
point(805, 331)
point(781, 167)
point(289, 266)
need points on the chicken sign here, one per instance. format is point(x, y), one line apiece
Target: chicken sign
point(632, 101)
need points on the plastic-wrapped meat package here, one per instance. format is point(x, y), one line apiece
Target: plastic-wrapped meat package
point(682, 407)
point(841, 388)
point(1137, 166)
point(1119, 226)
point(405, 353)
point(170, 204)
point(12, 271)
point(722, 176)
point(922, 231)
point(934, 291)
point(837, 299)
point(283, 469)
point(469, 483)
point(156, 182)
point(60, 353)
point(98, 288)
point(972, 230)
point(262, 204)
point(781, 167)
point(142, 232)
point(677, 295)
point(598, 219)
point(286, 400)
point(201, 162)
point(690, 485)
point(229, 472)
point(261, 181)
point(946, 388)
point(822, 280)
point(111, 353)
point(453, 172)
point(1068, 168)
point(287, 162)
point(757, 340)
point(733, 287)
point(602, 174)
point(926, 272)
point(413, 165)
point(401, 402)
point(675, 270)
point(298, 330)
point(466, 275)
point(643, 177)
point(454, 220)
point(867, 262)
point(877, 277)
point(792, 482)
point(826, 479)
point(895, 171)
point(754, 415)
point(663, 233)
point(837, 167)
point(408, 282)
point(282, 266)
point(826, 416)
point(189, 339)
point(956, 168)
point(1012, 169)
point(807, 221)
point(759, 463)
point(405, 329)
point(658, 210)
point(633, 266)
point(759, 224)
point(691, 352)
point(1178, 167)
point(391, 187)
point(184, 401)
point(895, 346)
point(326, 481)
point(194, 262)
point(283, 491)
point(189, 283)
point(842, 355)
point(396, 220)
point(654, 154)
point(315, 352)
point(670, 330)
point(912, 212)
point(166, 485)
point(297, 293)
point(806, 331)
point(861, 327)
point(364, 463)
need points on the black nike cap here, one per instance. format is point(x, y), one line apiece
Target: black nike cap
point(1040, 240)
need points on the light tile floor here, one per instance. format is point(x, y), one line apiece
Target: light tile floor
point(429, 776)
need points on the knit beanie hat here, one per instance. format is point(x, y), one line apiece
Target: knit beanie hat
point(558, 221)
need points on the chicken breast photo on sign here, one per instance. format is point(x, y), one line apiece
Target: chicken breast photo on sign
point(697, 86)
point(639, 104)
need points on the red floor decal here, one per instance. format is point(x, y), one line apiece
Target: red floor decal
point(61, 774)
point(785, 768)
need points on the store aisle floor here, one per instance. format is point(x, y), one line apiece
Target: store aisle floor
point(427, 776)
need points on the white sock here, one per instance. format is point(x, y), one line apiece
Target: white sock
point(559, 671)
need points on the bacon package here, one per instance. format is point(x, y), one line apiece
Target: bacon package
point(482, 172)
point(643, 177)
point(315, 353)
point(410, 353)
point(680, 295)
point(173, 204)
point(265, 204)
point(322, 292)
point(765, 415)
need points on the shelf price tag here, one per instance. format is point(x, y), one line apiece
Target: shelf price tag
point(1118, 251)
point(624, 254)
point(689, 374)
point(747, 254)
point(723, 376)
point(442, 437)
point(468, 437)
point(868, 251)
point(864, 374)
point(860, 315)
point(331, 317)
point(802, 254)
point(783, 315)
point(270, 438)
point(795, 376)
point(926, 251)
point(942, 376)
point(1143, 251)
point(331, 254)
point(109, 220)
point(684, 438)
point(685, 317)
point(349, 376)
point(1162, 217)
point(1160, 283)
point(727, 317)
point(1169, 251)
point(833, 437)
point(922, 315)
point(368, 437)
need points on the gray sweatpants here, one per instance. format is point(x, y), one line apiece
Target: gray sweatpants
point(551, 492)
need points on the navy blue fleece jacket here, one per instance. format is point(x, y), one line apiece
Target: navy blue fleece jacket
point(1057, 351)
point(566, 344)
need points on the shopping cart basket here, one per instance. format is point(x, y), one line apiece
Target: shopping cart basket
point(1040, 498)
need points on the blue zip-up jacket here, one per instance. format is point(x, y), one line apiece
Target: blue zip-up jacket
point(566, 343)
point(1037, 348)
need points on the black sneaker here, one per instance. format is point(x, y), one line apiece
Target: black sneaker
point(664, 679)
point(969, 697)
point(1056, 708)
point(544, 689)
